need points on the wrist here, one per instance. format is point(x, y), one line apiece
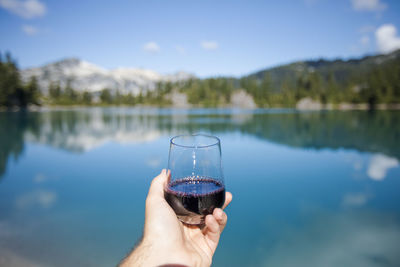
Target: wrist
point(160, 253)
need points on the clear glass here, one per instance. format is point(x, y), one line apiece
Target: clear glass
point(196, 185)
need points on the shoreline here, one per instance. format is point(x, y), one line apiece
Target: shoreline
point(350, 106)
point(318, 107)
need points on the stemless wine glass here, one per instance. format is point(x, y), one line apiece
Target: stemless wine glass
point(196, 185)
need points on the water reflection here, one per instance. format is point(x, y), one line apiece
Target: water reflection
point(353, 239)
point(379, 165)
point(355, 199)
point(40, 198)
point(84, 129)
point(323, 185)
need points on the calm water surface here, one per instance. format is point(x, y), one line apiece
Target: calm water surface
point(310, 188)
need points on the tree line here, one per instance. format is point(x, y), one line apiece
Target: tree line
point(369, 83)
point(67, 95)
point(12, 91)
point(15, 93)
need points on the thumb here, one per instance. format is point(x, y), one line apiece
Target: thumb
point(158, 184)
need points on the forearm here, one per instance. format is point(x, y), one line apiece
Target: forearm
point(147, 255)
point(140, 256)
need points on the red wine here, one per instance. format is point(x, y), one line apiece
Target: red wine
point(193, 198)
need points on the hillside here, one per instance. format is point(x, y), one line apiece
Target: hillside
point(342, 71)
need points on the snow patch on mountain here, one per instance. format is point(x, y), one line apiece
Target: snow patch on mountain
point(82, 75)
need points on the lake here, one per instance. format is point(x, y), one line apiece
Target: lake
point(316, 188)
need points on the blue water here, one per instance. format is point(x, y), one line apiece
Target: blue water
point(309, 188)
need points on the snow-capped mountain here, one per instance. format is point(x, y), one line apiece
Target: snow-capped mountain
point(83, 75)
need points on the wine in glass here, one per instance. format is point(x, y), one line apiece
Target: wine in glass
point(196, 185)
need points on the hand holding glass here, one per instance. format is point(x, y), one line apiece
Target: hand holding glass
point(196, 186)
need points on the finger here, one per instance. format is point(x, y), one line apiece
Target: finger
point(212, 232)
point(158, 183)
point(221, 218)
point(228, 199)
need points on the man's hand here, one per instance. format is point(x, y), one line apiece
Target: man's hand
point(166, 240)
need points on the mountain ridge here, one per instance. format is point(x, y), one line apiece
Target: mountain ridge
point(341, 69)
point(82, 75)
point(371, 79)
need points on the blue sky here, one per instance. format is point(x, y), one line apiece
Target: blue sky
point(207, 38)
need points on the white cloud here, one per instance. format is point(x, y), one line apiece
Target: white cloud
point(368, 5)
point(364, 40)
point(387, 39)
point(354, 199)
point(151, 47)
point(43, 199)
point(153, 162)
point(367, 29)
point(379, 165)
point(180, 49)
point(42, 178)
point(39, 178)
point(209, 45)
point(362, 45)
point(26, 9)
point(29, 30)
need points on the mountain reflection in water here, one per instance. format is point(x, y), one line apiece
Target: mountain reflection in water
point(84, 129)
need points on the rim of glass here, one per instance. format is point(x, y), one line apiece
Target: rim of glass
point(193, 135)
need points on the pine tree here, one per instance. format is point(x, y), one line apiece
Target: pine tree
point(32, 91)
point(54, 91)
point(105, 96)
point(87, 98)
point(11, 91)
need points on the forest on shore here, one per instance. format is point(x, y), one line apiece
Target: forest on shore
point(370, 80)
